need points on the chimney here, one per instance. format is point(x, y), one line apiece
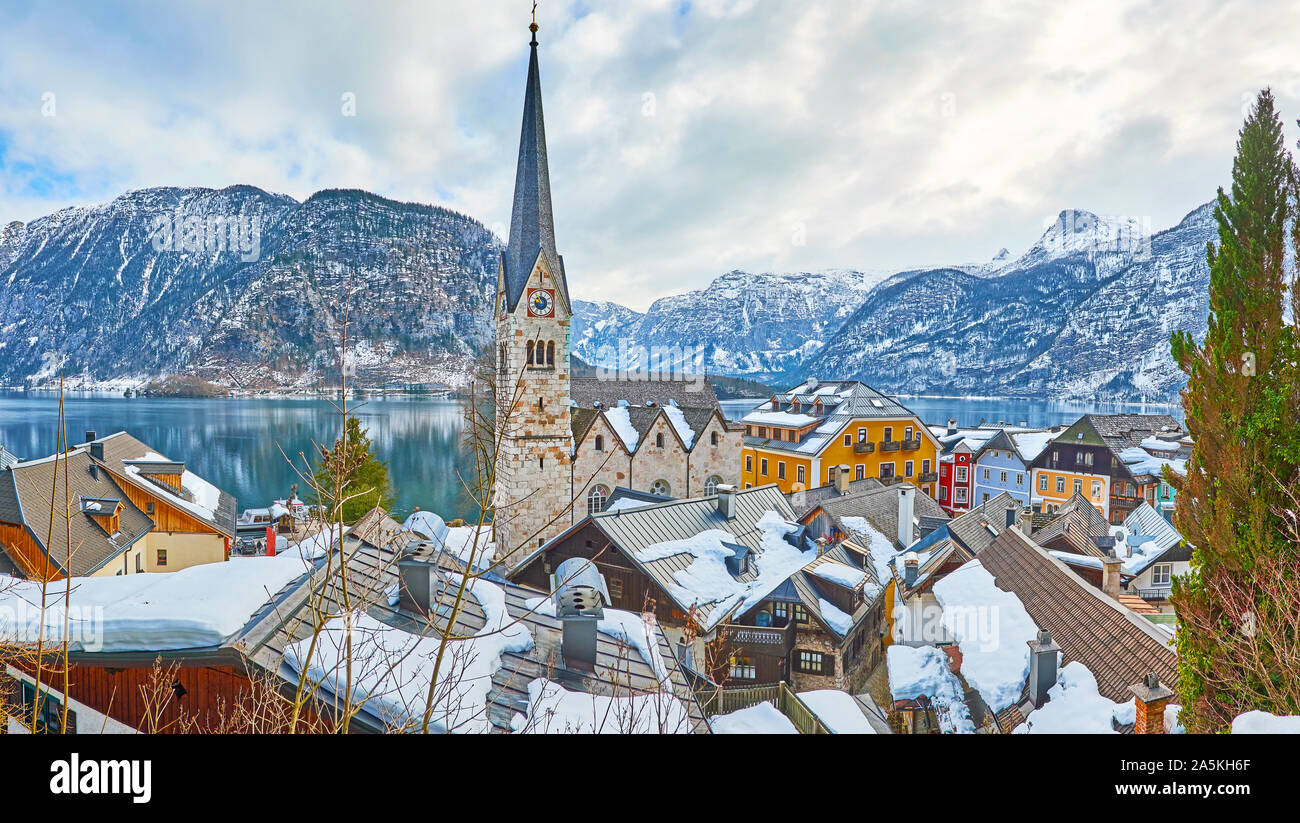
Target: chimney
point(1110, 568)
point(580, 597)
point(727, 500)
point(1151, 698)
point(911, 565)
point(415, 584)
point(1027, 522)
point(905, 505)
point(90, 435)
point(842, 479)
point(821, 546)
point(1042, 667)
point(952, 425)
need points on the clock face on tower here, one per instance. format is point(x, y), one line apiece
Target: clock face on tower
point(541, 302)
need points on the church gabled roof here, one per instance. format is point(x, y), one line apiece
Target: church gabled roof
point(532, 227)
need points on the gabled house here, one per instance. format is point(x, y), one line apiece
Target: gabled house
point(799, 438)
point(667, 438)
point(734, 566)
point(135, 511)
point(1002, 464)
point(1101, 457)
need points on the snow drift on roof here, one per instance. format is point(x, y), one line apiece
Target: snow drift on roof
point(992, 628)
point(916, 671)
point(553, 709)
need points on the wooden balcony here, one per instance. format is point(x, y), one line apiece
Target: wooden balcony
point(928, 477)
point(890, 445)
point(756, 636)
point(912, 445)
point(864, 447)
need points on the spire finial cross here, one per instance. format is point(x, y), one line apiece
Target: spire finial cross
point(533, 26)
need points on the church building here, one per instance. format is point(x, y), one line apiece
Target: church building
point(565, 444)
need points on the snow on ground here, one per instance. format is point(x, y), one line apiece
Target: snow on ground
point(391, 668)
point(840, 573)
point(684, 430)
point(1258, 722)
point(1075, 707)
point(839, 621)
point(763, 718)
point(622, 425)
point(881, 547)
point(915, 671)
point(838, 710)
point(706, 580)
point(553, 709)
point(992, 628)
point(199, 606)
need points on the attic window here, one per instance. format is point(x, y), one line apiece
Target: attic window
point(713, 438)
point(659, 440)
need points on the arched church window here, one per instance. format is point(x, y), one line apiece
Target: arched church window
point(550, 353)
point(501, 359)
point(596, 499)
point(530, 352)
point(660, 487)
point(600, 443)
point(711, 485)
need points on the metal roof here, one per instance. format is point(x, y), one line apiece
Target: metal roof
point(532, 226)
point(853, 400)
point(635, 529)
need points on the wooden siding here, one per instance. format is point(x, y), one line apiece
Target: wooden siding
point(165, 516)
point(25, 551)
point(120, 693)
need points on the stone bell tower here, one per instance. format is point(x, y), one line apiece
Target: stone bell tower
point(531, 483)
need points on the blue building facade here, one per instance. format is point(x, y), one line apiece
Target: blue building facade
point(1001, 465)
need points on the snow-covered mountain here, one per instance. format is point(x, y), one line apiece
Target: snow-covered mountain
point(101, 295)
point(1085, 313)
point(90, 292)
point(740, 324)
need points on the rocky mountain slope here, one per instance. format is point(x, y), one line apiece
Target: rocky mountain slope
point(107, 293)
point(1077, 316)
point(135, 289)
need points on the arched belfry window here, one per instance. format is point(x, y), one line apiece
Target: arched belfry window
point(501, 359)
point(530, 352)
point(550, 353)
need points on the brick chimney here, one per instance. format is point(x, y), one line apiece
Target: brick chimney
point(1151, 698)
point(1110, 568)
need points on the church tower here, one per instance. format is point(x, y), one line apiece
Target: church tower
point(532, 476)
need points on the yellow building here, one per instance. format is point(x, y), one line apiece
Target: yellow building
point(797, 438)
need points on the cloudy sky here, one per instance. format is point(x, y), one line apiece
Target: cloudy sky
point(686, 138)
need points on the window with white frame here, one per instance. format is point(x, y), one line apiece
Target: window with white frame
point(596, 499)
point(1162, 574)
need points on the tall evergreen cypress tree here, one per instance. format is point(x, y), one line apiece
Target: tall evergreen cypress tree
point(1241, 406)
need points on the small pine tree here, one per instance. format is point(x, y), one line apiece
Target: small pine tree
point(1241, 404)
point(351, 473)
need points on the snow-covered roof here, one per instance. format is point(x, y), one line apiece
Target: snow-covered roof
point(925, 671)
point(838, 711)
point(992, 629)
point(200, 606)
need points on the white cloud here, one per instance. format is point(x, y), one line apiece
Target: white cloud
point(685, 139)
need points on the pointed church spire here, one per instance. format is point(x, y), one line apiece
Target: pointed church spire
point(532, 228)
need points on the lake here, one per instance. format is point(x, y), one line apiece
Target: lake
point(240, 443)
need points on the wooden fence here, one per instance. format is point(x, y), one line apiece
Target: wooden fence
point(726, 701)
